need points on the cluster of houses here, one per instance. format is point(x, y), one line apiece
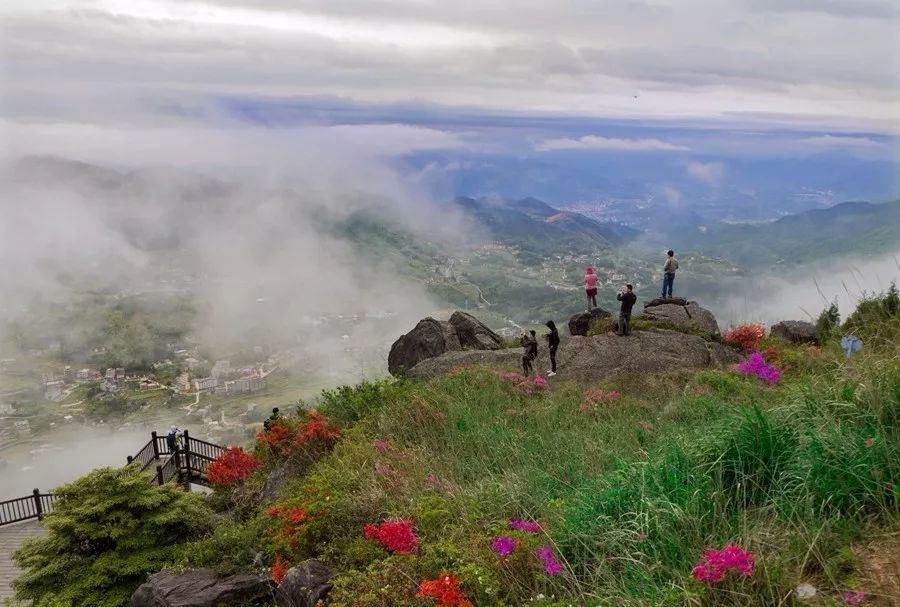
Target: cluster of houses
point(224, 379)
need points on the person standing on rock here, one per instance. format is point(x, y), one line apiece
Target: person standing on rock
point(669, 274)
point(628, 299)
point(590, 287)
point(553, 345)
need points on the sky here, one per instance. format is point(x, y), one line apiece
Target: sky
point(440, 75)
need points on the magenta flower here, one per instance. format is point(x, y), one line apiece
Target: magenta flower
point(551, 565)
point(504, 545)
point(854, 597)
point(756, 365)
point(382, 445)
point(717, 563)
point(525, 526)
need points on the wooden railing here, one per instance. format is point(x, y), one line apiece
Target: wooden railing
point(187, 464)
point(35, 505)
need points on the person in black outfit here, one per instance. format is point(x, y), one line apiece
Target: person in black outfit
point(276, 415)
point(172, 439)
point(529, 343)
point(553, 345)
point(628, 299)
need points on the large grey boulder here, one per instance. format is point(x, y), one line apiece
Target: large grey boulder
point(200, 588)
point(589, 360)
point(474, 334)
point(305, 585)
point(581, 323)
point(428, 339)
point(796, 331)
point(688, 314)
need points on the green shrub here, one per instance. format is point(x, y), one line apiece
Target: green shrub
point(108, 531)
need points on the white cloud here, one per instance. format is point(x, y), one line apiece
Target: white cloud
point(843, 141)
point(596, 142)
point(710, 173)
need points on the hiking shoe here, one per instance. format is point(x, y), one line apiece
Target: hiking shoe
point(551, 373)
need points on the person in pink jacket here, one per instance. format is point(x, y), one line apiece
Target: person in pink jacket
point(590, 287)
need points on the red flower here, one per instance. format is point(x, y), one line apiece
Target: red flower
point(231, 466)
point(444, 590)
point(395, 535)
point(870, 441)
point(746, 337)
point(279, 569)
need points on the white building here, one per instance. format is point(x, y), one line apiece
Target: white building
point(206, 384)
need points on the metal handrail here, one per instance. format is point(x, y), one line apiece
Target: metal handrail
point(188, 463)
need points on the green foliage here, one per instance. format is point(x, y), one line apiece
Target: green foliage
point(108, 531)
point(348, 404)
point(829, 320)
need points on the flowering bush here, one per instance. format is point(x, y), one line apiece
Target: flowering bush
point(524, 385)
point(290, 523)
point(444, 590)
point(397, 535)
point(525, 526)
point(717, 563)
point(504, 545)
point(756, 365)
point(595, 397)
point(231, 466)
point(548, 558)
point(746, 337)
point(854, 597)
point(284, 440)
point(279, 569)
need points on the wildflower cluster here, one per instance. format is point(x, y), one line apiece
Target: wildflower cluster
point(290, 521)
point(504, 545)
point(285, 440)
point(548, 558)
point(396, 535)
point(854, 597)
point(231, 466)
point(525, 526)
point(524, 385)
point(717, 563)
point(444, 590)
point(598, 396)
point(756, 365)
point(279, 569)
point(746, 337)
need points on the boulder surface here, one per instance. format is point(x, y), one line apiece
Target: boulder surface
point(199, 588)
point(581, 323)
point(598, 358)
point(428, 339)
point(305, 585)
point(680, 312)
point(474, 334)
point(796, 331)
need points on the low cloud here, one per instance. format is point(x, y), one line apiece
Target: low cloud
point(843, 142)
point(710, 173)
point(597, 142)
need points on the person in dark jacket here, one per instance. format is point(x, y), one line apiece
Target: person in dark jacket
point(276, 415)
point(530, 345)
point(553, 345)
point(172, 439)
point(628, 299)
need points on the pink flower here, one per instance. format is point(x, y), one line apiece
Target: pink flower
point(641, 536)
point(504, 545)
point(440, 415)
point(870, 441)
point(551, 565)
point(717, 563)
point(433, 482)
point(854, 597)
point(524, 526)
point(756, 365)
point(382, 445)
point(540, 381)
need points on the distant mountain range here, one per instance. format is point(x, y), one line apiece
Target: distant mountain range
point(848, 228)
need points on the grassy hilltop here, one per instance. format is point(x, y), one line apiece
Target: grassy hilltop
point(525, 494)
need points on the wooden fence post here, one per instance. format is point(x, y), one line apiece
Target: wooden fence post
point(187, 455)
point(37, 504)
point(159, 476)
point(155, 448)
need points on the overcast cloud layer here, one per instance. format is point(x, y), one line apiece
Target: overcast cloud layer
point(832, 63)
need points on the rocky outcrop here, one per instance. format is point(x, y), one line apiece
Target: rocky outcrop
point(432, 338)
point(601, 357)
point(428, 339)
point(796, 331)
point(200, 588)
point(581, 323)
point(305, 585)
point(678, 312)
point(474, 334)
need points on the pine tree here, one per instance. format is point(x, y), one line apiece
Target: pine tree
point(108, 531)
